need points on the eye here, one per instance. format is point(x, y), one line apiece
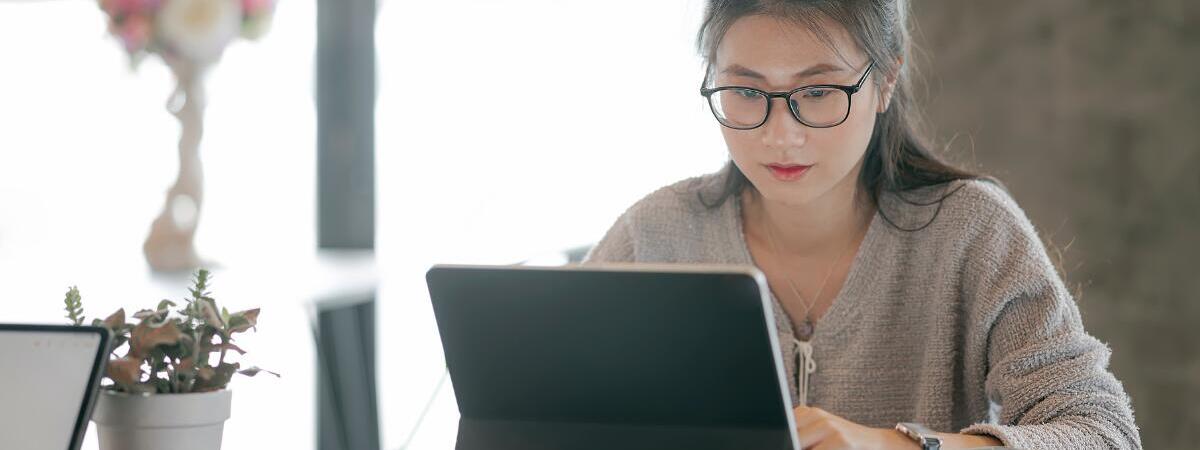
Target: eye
point(817, 93)
point(746, 93)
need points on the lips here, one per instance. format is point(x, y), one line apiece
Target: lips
point(788, 172)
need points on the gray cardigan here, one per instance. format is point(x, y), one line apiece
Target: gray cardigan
point(964, 325)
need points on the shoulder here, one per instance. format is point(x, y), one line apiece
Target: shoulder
point(973, 227)
point(666, 222)
point(986, 200)
point(992, 241)
point(957, 209)
point(992, 217)
point(683, 199)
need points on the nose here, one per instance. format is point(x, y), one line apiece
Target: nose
point(782, 130)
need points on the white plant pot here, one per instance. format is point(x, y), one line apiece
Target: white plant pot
point(161, 421)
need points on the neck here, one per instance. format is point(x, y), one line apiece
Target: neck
point(819, 228)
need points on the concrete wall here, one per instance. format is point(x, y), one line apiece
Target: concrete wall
point(1090, 112)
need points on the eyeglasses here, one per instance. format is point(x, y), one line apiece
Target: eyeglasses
point(816, 106)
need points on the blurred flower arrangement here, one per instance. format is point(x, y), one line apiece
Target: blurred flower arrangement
point(196, 30)
point(189, 36)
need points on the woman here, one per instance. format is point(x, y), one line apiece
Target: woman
point(905, 290)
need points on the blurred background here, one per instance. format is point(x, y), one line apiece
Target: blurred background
point(358, 142)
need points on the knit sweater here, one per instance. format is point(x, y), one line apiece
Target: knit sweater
point(963, 325)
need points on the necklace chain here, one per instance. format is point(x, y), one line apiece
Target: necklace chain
point(807, 304)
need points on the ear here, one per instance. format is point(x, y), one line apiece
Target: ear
point(889, 87)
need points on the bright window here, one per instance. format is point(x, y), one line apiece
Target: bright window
point(512, 130)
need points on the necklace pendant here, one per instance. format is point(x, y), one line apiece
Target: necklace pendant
point(804, 330)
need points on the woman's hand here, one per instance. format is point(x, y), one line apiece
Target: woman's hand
point(821, 430)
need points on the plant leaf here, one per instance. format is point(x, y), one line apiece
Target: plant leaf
point(115, 320)
point(157, 360)
point(162, 386)
point(125, 371)
point(219, 378)
point(227, 346)
point(242, 321)
point(188, 365)
point(252, 371)
point(208, 308)
point(205, 373)
point(179, 350)
point(145, 337)
point(74, 306)
point(200, 284)
point(149, 314)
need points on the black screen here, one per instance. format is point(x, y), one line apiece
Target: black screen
point(608, 347)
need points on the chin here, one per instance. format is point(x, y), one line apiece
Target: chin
point(788, 193)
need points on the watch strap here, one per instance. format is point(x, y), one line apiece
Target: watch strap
point(926, 438)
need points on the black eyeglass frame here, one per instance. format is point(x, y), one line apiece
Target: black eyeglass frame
point(849, 90)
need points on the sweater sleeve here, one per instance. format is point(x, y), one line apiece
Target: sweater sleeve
point(1049, 378)
point(615, 246)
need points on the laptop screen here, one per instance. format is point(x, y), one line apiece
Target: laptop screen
point(47, 375)
point(617, 357)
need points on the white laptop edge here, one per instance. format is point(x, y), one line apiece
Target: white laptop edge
point(88, 402)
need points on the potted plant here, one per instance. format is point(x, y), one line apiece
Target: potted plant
point(165, 383)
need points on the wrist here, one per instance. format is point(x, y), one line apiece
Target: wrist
point(954, 441)
point(923, 437)
point(892, 438)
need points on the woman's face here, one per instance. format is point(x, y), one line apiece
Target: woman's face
point(776, 55)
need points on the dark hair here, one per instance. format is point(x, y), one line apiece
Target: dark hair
point(898, 157)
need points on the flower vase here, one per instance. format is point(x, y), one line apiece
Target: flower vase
point(170, 246)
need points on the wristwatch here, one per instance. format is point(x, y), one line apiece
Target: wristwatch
point(921, 435)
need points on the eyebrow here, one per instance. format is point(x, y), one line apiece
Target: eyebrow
point(740, 70)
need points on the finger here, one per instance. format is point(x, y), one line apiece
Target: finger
point(814, 434)
point(831, 444)
point(806, 415)
point(808, 410)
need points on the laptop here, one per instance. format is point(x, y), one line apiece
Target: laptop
point(614, 356)
point(49, 377)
